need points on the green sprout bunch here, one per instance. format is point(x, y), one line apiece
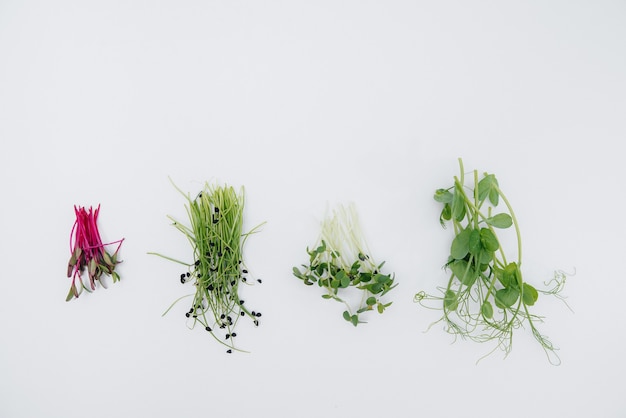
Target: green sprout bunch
point(341, 261)
point(486, 297)
point(218, 271)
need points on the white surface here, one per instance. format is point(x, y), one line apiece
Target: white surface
point(306, 103)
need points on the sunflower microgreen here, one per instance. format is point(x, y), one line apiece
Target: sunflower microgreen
point(341, 264)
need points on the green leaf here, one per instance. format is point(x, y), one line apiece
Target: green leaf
point(499, 273)
point(75, 256)
point(371, 301)
point(494, 196)
point(484, 186)
point(365, 277)
point(501, 220)
point(464, 272)
point(92, 267)
point(446, 214)
point(355, 320)
point(507, 297)
point(321, 268)
point(297, 273)
point(529, 294)
point(344, 280)
point(380, 308)
point(107, 259)
point(382, 278)
point(485, 257)
point(443, 196)
point(488, 186)
point(489, 240)
point(334, 283)
point(388, 288)
point(474, 243)
point(105, 268)
point(487, 309)
point(458, 206)
point(510, 276)
point(375, 288)
point(321, 248)
point(355, 267)
point(346, 315)
point(460, 244)
point(327, 296)
point(449, 300)
point(71, 293)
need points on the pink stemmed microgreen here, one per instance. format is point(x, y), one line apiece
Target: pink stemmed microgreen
point(88, 252)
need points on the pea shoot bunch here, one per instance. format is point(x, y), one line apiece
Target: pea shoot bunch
point(340, 261)
point(217, 272)
point(88, 253)
point(486, 297)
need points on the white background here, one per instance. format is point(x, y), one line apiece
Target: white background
point(307, 104)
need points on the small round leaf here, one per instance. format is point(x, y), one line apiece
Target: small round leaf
point(487, 309)
point(507, 296)
point(449, 300)
point(501, 220)
point(460, 244)
point(529, 294)
point(489, 240)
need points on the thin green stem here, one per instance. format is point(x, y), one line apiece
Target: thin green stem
point(170, 259)
point(476, 219)
point(515, 223)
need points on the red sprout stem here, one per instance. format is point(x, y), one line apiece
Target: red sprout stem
point(88, 251)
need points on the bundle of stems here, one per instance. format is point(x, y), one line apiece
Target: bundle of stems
point(88, 253)
point(215, 233)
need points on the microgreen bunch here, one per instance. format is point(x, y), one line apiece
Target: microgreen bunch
point(217, 272)
point(341, 261)
point(88, 253)
point(481, 274)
